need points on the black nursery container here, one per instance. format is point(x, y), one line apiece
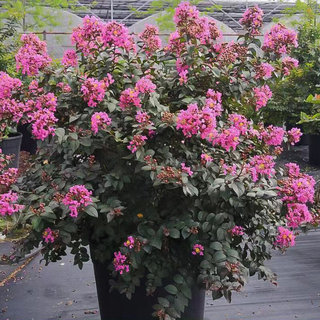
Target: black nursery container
point(314, 149)
point(11, 146)
point(28, 143)
point(115, 306)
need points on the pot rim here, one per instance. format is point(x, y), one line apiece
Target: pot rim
point(12, 136)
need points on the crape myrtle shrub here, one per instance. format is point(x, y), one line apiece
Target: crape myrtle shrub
point(157, 157)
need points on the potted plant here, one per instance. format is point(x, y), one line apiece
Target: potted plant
point(312, 126)
point(17, 106)
point(156, 167)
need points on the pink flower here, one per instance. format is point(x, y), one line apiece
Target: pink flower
point(99, 120)
point(70, 58)
point(151, 39)
point(289, 64)
point(8, 177)
point(293, 169)
point(182, 71)
point(32, 57)
point(186, 169)
point(194, 121)
point(294, 135)
point(129, 243)
point(264, 71)
point(48, 236)
point(119, 263)
point(11, 110)
point(176, 45)
point(8, 205)
point(129, 98)
point(137, 142)
point(228, 138)
point(64, 87)
point(198, 250)
point(297, 189)
point(280, 40)
point(285, 238)
point(145, 85)
point(252, 20)
point(77, 198)
point(240, 122)
point(8, 85)
point(261, 165)
point(262, 96)
point(273, 136)
point(232, 170)
point(94, 90)
point(213, 101)
point(43, 122)
point(298, 213)
point(205, 159)
point(237, 231)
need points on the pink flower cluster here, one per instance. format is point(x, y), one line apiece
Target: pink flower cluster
point(213, 101)
point(189, 22)
point(237, 231)
point(252, 20)
point(32, 56)
point(298, 213)
point(198, 249)
point(298, 188)
point(280, 40)
point(262, 96)
point(8, 85)
point(43, 123)
point(285, 238)
point(8, 205)
point(182, 71)
point(264, 71)
point(272, 136)
point(205, 159)
point(8, 177)
point(186, 169)
point(77, 198)
point(240, 122)
point(64, 87)
point(194, 121)
point(95, 34)
point(94, 90)
point(69, 58)
point(130, 242)
point(151, 39)
point(130, 97)
point(119, 263)
point(261, 165)
point(228, 138)
point(100, 120)
point(48, 236)
point(294, 135)
point(137, 142)
point(145, 85)
point(289, 64)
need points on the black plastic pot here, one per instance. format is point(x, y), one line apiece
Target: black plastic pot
point(11, 146)
point(28, 143)
point(314, 149)
point(115, 306)
point(304, 140)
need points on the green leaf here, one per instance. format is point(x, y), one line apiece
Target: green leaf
point(174, 233)
point(91, 211)
point(171, 289)
point(60, 133)
point(216, 245)
point(178, 279)
point(164, 302)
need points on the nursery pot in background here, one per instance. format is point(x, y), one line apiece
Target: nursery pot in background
point(115, 306)
point(28, 143)
point(314, 149)
point(11, 146)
